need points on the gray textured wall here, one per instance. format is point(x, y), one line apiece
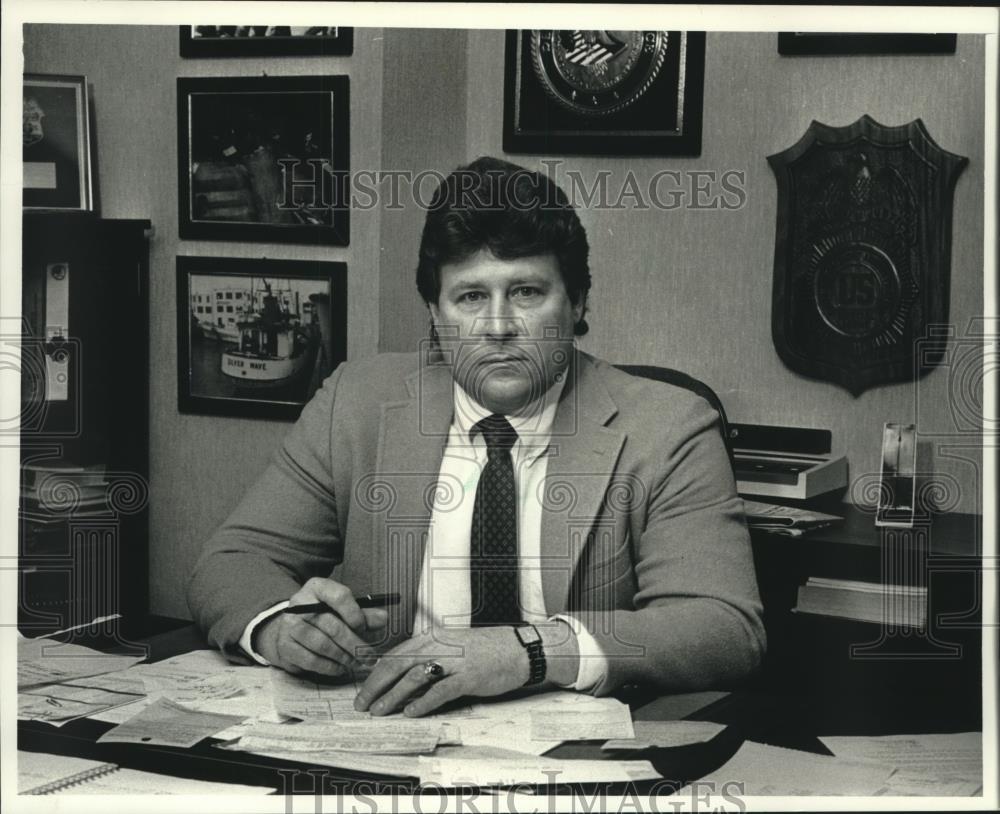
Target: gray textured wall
point(689, 289)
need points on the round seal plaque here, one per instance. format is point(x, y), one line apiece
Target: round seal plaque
point(857, 290)
point(595, 73)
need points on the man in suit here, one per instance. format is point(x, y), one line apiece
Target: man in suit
point(544, 516)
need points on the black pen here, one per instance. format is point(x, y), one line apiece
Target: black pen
point(364, 601)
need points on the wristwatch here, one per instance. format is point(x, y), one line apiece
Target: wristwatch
point(531, 640)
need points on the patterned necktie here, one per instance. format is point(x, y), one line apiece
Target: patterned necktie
point(493, 559)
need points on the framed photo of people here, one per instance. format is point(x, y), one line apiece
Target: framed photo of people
point(266, 40)
point(264, 159)
point(604, 92)
point(256, 338)
point(56, 144)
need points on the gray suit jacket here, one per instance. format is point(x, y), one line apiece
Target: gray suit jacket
point(643, 535)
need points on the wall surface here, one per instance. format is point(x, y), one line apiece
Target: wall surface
point(200, 465)
point(691, 289)
point(423, 132)
point(684, 288)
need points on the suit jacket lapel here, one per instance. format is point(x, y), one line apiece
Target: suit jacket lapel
point(412, 440)
point(582, 458)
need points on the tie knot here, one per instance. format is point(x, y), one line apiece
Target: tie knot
point(497, 431)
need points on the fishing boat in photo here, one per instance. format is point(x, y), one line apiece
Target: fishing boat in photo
point(277, 345)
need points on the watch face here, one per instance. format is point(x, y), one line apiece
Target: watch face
point(597, 72)
point(528, 634)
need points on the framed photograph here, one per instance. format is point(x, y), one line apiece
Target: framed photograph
point(821, 43)
point(266, 41)
point(604, 92)
point(264, 159)
point(256, 338)
point(56, 146)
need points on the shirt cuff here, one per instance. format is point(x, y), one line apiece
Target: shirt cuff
point(593, 663)
point(247, 636)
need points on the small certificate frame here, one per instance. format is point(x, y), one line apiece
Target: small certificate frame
point(56, 144)
point(897, 485)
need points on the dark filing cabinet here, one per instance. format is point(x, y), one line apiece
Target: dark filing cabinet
point(84, 425)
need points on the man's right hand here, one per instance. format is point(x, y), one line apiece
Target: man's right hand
point(325, 642)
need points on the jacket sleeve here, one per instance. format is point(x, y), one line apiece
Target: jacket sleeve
point(283, 532)
point(696, 621)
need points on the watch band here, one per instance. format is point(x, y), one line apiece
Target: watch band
point(536, 654)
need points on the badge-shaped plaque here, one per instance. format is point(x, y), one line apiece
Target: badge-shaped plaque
point(862, 260)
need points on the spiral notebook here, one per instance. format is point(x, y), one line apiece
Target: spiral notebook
point(41, 773)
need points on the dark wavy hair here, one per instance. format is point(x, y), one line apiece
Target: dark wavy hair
point(513, 212)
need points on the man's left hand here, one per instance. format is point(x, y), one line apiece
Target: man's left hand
point(477, 661)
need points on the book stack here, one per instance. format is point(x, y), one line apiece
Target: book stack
point(52, 491)
point(897, 605)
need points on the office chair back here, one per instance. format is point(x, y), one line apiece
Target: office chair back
point(696, 386)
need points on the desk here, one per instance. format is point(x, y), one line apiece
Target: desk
point(904, 680)
point(755, 713)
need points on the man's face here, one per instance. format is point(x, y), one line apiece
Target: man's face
point(506, 326)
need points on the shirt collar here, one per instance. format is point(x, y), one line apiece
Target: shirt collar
point(533, 425)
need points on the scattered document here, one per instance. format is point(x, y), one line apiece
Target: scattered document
point(666, 734)
point(537, 771)
point(761, 770)
point(166, 723)
point(311, 701)
point(945, 765)
point(500, 733)
point(59, 704)
point(360, 762)
point(389, 737)
point(601, 719)
point(203, 680)
point(43, 661)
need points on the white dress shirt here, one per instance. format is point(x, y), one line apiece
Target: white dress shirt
point(444, 595)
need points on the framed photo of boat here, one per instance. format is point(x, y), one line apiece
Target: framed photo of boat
point(56, 146)
point(266, 40)
point(256, 338)
point(264, 159)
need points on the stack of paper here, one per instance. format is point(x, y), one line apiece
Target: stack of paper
point(55, 489)
point(903, 605)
